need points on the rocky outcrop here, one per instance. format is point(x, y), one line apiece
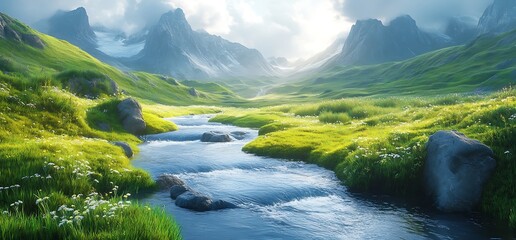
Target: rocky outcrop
point(499, 17)
point(127, 149)
point(130, 113)
point(13, 30)
point(193, 92)
point(456, 170)
point(215, 136)
point(93, 87)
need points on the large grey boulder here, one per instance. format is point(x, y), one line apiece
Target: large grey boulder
point(215, 136)
point(166, 181)
point(127, 149)
point(194, 201)
point(456, 170)
point(130, 112)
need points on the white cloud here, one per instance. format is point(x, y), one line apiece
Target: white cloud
point(289, 28)
point(430, 14)
point(210, 15)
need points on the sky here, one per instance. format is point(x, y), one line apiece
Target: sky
point(278, 28)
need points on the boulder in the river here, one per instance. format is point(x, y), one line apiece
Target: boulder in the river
point(221, 204)
point(166, 181)
point(127, 149)
point(130, 112)
point(194, 201)
point(177, 190)
point(456, 170)
point(215, 136)
point(238, 135)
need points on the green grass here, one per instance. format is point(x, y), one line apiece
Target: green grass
point(483, 66)
point(59, 61)
point(51, 148)
point(376, 145)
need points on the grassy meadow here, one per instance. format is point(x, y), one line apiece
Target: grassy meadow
point(60, 176)
point(377, 145)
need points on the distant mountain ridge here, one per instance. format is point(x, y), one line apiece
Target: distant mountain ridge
point(371, 42)
point(173, 48)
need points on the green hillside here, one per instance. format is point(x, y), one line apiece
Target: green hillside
point(60, 175)
point(485, 65)
point(60, 56)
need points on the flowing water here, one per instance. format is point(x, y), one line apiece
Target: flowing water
point(279, 199)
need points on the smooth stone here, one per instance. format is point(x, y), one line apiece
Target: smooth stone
point(456, 169)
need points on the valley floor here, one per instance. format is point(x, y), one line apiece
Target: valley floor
point(378, 145)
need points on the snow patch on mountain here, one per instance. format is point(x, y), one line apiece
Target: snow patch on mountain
point(111, 44)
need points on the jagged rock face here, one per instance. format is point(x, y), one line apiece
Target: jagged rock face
point(461, 29)
point(370, 42)
point(499, 17)
point(73, 26)
point(173, 48)
point(8, 32)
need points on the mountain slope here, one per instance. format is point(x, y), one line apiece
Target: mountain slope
point(173, 48)
point(499, 17)
point(370, 42)
point(59, 57)
point(486, 64)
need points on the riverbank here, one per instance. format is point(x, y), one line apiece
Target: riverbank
point(62, 178)
point(278, 199)
point(377, 145)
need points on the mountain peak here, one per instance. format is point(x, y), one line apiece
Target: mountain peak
point(73, 26)
point(80, 10)
point(174, 19)
point(403, 21)
point(371, 42)
point(368, 23)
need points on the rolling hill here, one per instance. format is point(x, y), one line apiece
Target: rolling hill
point(487, 64)
point(58, 56)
